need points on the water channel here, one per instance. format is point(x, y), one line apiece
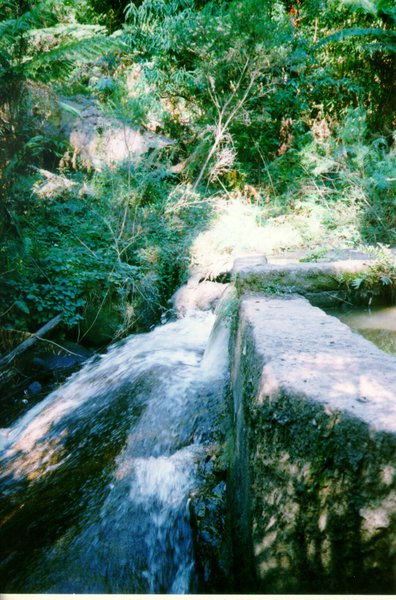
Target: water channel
point(376, 324)
point(96, 478)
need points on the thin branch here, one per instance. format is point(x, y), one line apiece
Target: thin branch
point(6, 272)
point(238, 85)
point(8, 310)
point(123, 221)
point(55, 344)
point(87, 247)
point(6, 360)
point(96, 316)
point(221, 127)
point(129, 244)
point(266, 167)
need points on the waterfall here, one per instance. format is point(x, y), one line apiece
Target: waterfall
point(96, 478)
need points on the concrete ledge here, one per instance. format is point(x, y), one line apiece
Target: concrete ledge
point(251, 274)
point(313, 469)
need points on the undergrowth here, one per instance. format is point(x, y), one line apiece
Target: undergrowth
point(281, 111)
point(107, 261)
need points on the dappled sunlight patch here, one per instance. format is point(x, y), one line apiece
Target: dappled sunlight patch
point(43, 458)
point(318, 407)
point(377, 517)
point(337, 380)
point(307, 354)
point(388, 474)
point(240, 228)
point(236, 231)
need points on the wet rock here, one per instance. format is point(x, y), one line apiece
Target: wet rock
point(209, 523)
point(35, 373)
point(33, 389)
point(67, 358)
point(56, 363)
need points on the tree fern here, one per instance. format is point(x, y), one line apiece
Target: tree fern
point(11, 28)
point(35, 47)
point(73, 44)
point(60, 61)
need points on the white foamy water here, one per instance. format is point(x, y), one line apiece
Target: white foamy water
point(113, 455)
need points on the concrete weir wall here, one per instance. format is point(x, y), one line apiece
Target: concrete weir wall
point(313, 461)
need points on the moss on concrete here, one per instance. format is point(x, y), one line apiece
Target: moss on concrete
point(312, 483)
point(313, 476)
point(355, 281)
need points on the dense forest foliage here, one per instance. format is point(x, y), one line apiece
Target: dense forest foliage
point(289, 104)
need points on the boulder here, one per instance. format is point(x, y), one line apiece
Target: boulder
point(52, 186)
point(67, 358)
point(99, 141)
point(196, 295)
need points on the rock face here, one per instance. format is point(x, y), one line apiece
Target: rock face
point(100, 141)
point(314, 445)
point(55, 186)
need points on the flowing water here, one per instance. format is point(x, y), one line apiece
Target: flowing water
point(96, 478)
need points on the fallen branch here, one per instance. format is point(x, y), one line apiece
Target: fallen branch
point(8, 358)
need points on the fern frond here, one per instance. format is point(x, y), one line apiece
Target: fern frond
point(388, 38)
point(15, 33)
point(154, 11)
point(60, 61)
point(387, 8)
point(6, 7)
point(33, 19)
point(70, 30)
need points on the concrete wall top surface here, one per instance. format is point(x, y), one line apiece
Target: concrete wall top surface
point(309, 354)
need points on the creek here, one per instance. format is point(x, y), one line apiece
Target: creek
point(96, 478)
point(377, 325)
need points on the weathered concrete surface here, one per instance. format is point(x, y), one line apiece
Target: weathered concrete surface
point(297, 277)
point(313, 468)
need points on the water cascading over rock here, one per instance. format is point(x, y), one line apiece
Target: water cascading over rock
point(96, 479)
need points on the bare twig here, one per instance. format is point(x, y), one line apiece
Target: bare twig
point(87, 247)
point(8, 310)
point(224, 120)
point(96, 316)
point(123, 222)
point(6, 272)
point(47, 341)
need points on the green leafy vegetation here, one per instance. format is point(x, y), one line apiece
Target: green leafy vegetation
point(287, 107)
point(377, 281)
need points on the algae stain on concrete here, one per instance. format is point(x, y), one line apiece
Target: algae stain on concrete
point(312, 472)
